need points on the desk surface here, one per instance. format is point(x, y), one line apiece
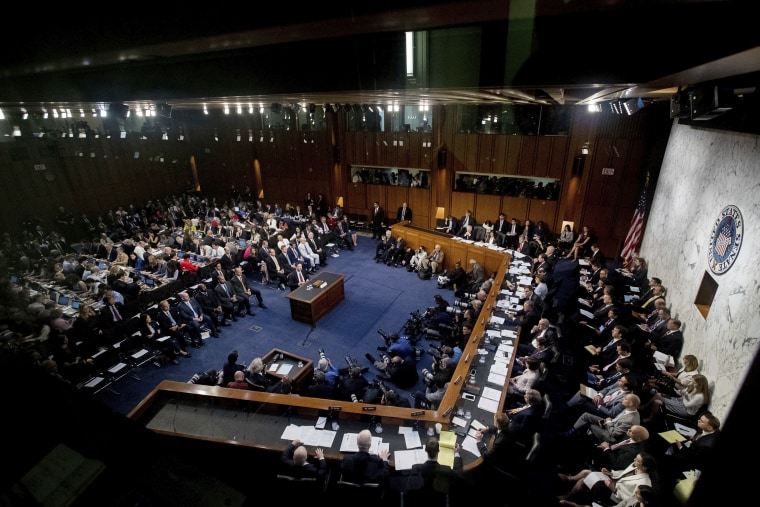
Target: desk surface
point(310, 292)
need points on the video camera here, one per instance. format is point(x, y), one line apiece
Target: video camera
point(454, 311)
point(462, 303)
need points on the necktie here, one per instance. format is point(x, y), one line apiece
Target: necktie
point(611, 397)
point(300, 276)
point(171, 319)
point(116, 315)
point(191, 309)
point(242, 282)
point(620, 444)
point(225, 289)
point(276, 264)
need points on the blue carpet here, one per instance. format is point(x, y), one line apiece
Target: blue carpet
point(377, 297)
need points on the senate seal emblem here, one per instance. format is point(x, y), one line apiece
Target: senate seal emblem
point(725, 240)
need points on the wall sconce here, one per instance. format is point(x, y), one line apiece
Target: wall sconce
point(440, 213)
point(340, 201)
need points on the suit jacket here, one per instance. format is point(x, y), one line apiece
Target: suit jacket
point(452, 226)
point(407, 214)
point(432, 477)
point(616, 459)
point(308, 469)
point(165, 322)
point(185, 313)
point(225, 297)
point(501, 226)
point(377, 216)
point(209, 301)
point(471, 222)
point(227, 262)
point(618, 428)
point(525, 423)
point(294, 255)
point(670, 344)
point(293, 278)
point(364, 467)
point(697, 454)
point(283, 260)
point(477, 275)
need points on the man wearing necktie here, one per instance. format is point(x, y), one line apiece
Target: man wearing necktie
point(613, 426)
point(192, 315)
point(243, 291)
point(404, 214)
point(297, 277)
point(501, 224)
point(619, 455)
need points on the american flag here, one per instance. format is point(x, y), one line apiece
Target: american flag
point(637, 225)
point(724, 238)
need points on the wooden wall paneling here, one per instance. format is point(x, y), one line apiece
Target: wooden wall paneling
point(378, 193)
point(415, 149)
point(457, 252)
point(359, 150)
point(527, 164)
point(487, 206)
point(472, 154)
point(346, 152)
point(461, 202)
point(512, 162)
point(515, 207)
point(394, 197)
point(423, 213)
point(546, 211)
point(457, 153)
point(485, 153)
point(429, 157)
point(499, 154)
point(599, 159)
point(543, 156)
point(559, 156)
point(600, 220)
point(403, 153)
point(613, 183)
point(381, 148)
point(356, 198)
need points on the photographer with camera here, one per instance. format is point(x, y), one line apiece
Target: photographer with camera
point(355, 385)
point(396, 345)
point(325, 365)
point(402, 371)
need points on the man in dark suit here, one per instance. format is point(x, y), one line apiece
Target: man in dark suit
point(172, 325)
point(527, 318)
point(501, 224)
point(297, 277)
point(504, 449)
point(244, 291)
point(362, 467)
point(212, 305)
point(619, 455)
point(466, 220)
point(404, 213)
point(694, 456)
point(294, 462)
point(387, 243)
point(512, 234)
point(276, 269)
point(671, 342)
point(192, 315)
point(431, 479)
point(225, 293)
point(451, 226)
point(377, 216)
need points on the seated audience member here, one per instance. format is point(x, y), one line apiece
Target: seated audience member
point(238, 381)
point(670, 342)
point(520, 384)
point(688, 402)
point(431, 478)
point(230, 367)
point(607, 402)
point(609, 429)
point(171, 324)
point(244, 290)
point(623, 350)
point(526, 420)
point(362, 467)
point(503, 451)
point(212, 305)
point(256, 377)
point(320, 388)
point(617, 489)
point(619, 455)
point(228, 299)
point(168, 349)
point(694, 454)
point(294, 461)
point(434, 260)
point(402, 371)
point(670, 384)
point(541, 353)
point(192, 315)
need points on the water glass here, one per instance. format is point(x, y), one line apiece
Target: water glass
point(468, 415)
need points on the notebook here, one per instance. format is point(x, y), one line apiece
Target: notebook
point(446, 441)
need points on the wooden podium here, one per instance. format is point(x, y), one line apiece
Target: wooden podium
point(312, 301)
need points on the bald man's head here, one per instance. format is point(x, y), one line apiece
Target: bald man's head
point(364, 440)
point(300, 455)
point(639, 433)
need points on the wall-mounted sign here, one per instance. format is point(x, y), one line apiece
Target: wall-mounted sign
point(725, 240)
point(608, 171)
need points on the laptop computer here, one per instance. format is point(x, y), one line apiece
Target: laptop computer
point(75, 304)
point(242, 243)
point(53, 295)
point(63, 300)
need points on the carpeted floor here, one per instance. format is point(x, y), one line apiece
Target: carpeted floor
point(376, 297)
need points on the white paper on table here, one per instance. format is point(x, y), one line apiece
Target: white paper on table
point(507, 292)
point(504, 304)
point(309, 435)
point(471, 445)
point(473, 433)
point(586, 313)
point(458, 421)
point(514, 300)
point(496, 320)
point(508, 333)
point(412, 440)
point(633, 289)
point(488, 405)
point(405, 459)
point(491, 393)
point(321, 421)
point(379, 446)
point(498, 368)
point(506, 347)
point(499, 380)
point(273, 367)
point(493, 333)
point(291, 432)
point(501, 359)
point(284, 369)
point(583, 262)
point(404, 429)
point(326, 438)
point(477, 424)
point(525, 280)
point(348, 444)
point(684, 430)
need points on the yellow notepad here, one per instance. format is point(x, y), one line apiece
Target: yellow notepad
point(591, 349)
point(672, 436)
point(446, 442)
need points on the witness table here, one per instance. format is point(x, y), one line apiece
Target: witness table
point(312, 301)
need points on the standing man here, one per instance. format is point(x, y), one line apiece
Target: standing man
point(501, 225)
point(452, 226)
point(378, 218)
point(404, 213)
point(466, 220)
